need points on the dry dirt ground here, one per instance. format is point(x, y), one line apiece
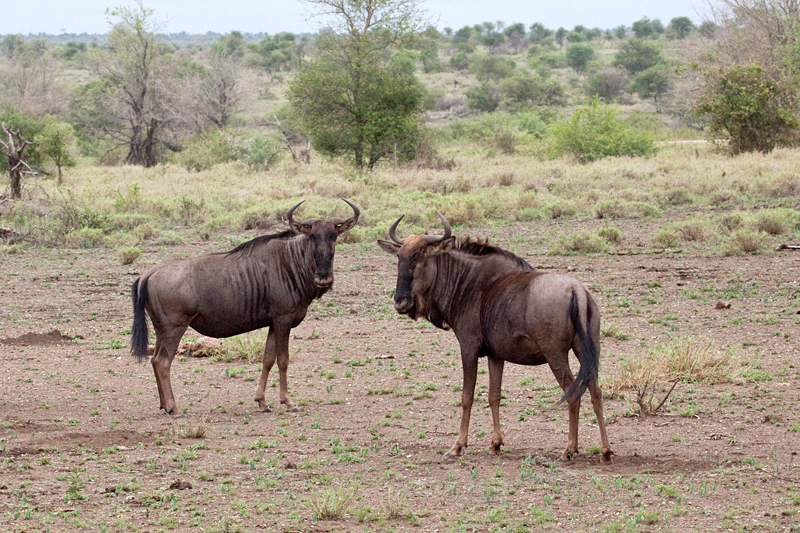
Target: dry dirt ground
point(84, 447)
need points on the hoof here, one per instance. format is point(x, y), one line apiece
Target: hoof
point(262, 406)
point(567, 456)
point(605, 458)
point(295, 409)
point(182, 415)
point(265, 409)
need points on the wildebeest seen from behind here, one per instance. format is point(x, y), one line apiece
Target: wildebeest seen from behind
point(268, 281)
point(501, 308)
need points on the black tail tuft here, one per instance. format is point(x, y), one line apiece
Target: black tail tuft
point(139, 331)
point(590, 352)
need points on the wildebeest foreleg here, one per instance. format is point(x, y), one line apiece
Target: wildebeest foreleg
point(597, 403)
point(270, 355)
point(495, 387)
point(470, 368)
point(165, 349)
point(564, 377)
point(276, 349)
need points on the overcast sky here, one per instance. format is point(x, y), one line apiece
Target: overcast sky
point(272, 16)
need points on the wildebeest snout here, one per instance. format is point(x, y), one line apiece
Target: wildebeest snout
point(323, 280)
point(403, 304)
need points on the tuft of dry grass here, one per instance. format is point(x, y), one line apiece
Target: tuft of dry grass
point(743, 242)
point(685, 360)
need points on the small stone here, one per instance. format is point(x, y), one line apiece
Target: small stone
point(180, 485)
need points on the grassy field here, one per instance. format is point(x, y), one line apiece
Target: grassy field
point(659, 241)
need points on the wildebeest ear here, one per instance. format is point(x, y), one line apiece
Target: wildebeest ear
point(348, 224)
point(447, 244)
point(389, 247)
point(300, 227)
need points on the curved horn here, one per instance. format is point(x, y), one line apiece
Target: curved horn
point(290, 212)
point(356, 211)
point(392, 228)
point(435, 239)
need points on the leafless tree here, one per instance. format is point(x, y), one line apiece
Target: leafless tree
point(15, 145)
point(134, 103)
point(219, 90)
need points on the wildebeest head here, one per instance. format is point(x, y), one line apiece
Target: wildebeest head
point(323, 232)
point(415, 274)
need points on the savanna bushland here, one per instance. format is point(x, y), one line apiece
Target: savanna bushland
point(656, 162)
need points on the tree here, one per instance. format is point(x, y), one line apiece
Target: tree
point(749, 109)
point(350, 98)
point(680, 28)
point(620, 32)
point(560, 35)
point(578, 56)
point(218, 88)
point(56, 141)
point(643, 28)
point(15, 144)
point(636, 55)
point(31, 77)
point(133, 103)
point(539, 32)
point(609, 84)
point(525, 89)
point(653, 82)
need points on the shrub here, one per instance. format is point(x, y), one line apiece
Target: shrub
point(207, 150)
point(86, 238)
point(525, 88)
point(749, 109)
point(485, 97)
point(259, 153)
point(594, 132)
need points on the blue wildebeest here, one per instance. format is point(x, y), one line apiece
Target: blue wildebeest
point(268, 281)
point(502, 309)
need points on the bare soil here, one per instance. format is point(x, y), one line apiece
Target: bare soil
point(84, 446)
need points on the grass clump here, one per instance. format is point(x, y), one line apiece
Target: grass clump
point(129, 254)
point(579, 242)
point(333, 503)
point(248, 347)
point(744, 241)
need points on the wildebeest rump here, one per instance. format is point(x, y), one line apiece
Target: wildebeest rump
point(268, 281)
point(501, 308)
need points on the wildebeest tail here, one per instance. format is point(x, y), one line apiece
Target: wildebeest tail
point(139, 331)
point(590, 350)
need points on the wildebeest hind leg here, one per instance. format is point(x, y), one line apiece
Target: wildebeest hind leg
point(166, 346)
point(597, 403)
point(495, 388)
point(564, 377)
point(282, 349)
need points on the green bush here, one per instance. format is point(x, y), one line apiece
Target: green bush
point(594, 132)
point(748, 109)
point(259, 153)
point(129, 254)
point(207, 150)
point(578, 56)
point(484, 97)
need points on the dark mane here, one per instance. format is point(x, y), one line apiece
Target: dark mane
point(474, 247)
point(246, 247)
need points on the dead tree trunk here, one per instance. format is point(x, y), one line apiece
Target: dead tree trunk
point(15, 153)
